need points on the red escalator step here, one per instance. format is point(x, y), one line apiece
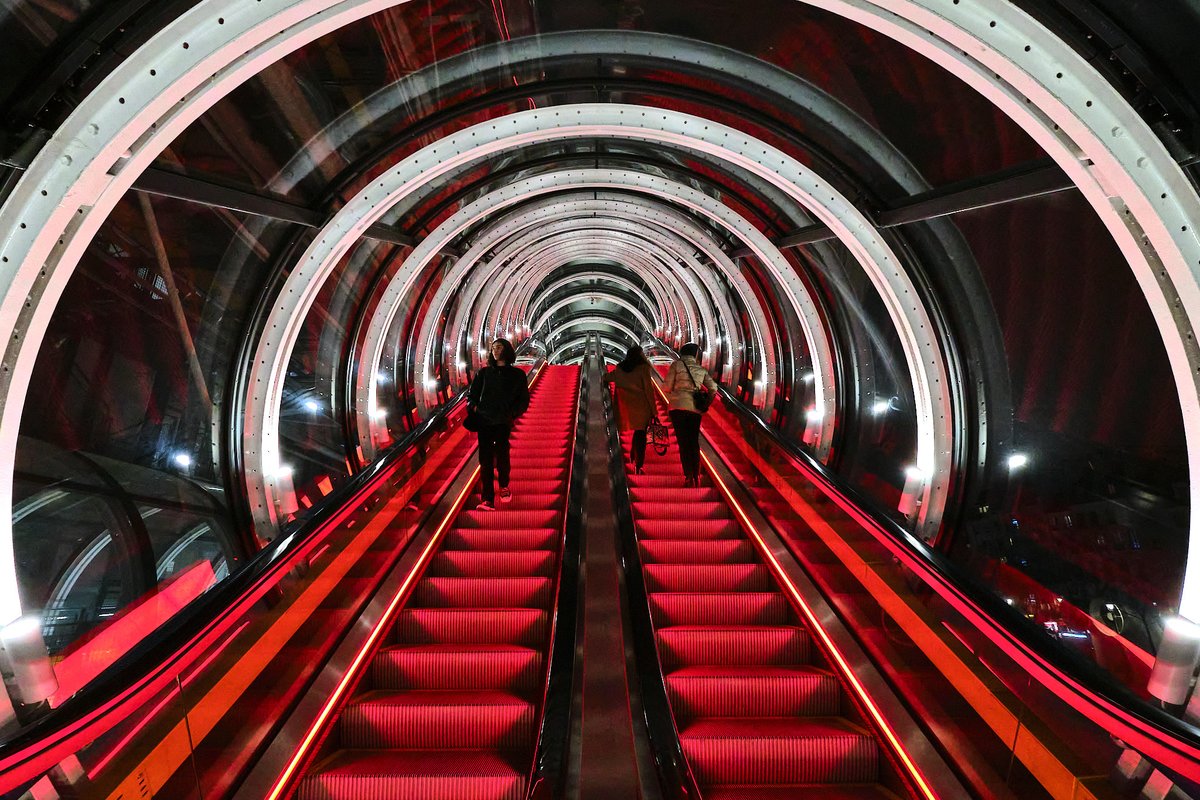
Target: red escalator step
point(664, 480)
point(774, 750)
point(485, 539)
point(689, 645)
point(718, 608)
point(429, 719)
point(525, 499)
point(493, 564)
point(424, 774)
point(650, 528)
point(458, 666)
point(669, 494)
point(707, 578)
point(486, 626)
point(483, 593)
point(681, 509)
point(501, 518)
point(758, 691)
point(547, 476)
point(718, 551)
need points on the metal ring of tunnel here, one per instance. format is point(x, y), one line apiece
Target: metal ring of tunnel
point(663, 237)
point(1134, 168)
point(666, 218)
point(670, 224)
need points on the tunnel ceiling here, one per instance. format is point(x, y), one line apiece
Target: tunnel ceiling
point(365, 193)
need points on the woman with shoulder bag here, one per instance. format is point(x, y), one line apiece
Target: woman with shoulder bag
point(634, 380)
point(685, 380)
point(498, 395)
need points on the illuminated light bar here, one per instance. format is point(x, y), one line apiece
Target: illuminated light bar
point(385, 620)
point(831, 648)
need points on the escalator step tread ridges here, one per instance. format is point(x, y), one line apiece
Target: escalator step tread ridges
point(756, 720)
point(452, 702)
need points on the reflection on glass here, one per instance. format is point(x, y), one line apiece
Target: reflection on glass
point(1087, 534)
point(121, 518)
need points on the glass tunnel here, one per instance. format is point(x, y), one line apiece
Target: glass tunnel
point(939, 257)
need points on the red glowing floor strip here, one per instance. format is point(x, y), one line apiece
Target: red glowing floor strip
point(384, 621)
point(867, 702)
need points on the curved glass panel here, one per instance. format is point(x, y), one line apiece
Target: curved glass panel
point(121, 513)
point(1088, 529)
point(878, 442)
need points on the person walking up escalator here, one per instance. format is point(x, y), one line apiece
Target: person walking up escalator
point(499, 395)
point(686, 378)
point(635, 399)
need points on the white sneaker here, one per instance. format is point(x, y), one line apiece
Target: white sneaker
point(485, 506)
point(505, 495)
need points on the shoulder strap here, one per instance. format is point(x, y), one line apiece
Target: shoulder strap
point(691, 377)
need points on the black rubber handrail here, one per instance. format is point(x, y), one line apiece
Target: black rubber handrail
point(1163, 738)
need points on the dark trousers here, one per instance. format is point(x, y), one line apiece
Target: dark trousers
point(493, 456)
point(687, 436)
point(639, 448)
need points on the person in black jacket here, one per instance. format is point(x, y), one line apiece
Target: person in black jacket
point(499, 394)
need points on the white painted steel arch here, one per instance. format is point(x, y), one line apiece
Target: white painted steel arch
point(671, 220)
point(1123, 170)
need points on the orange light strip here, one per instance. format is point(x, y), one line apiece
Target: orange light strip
point(368, 646)
point(851, 678)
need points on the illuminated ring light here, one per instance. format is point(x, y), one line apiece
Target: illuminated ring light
point(557, 244)
point(511, 194)
point(74, 182)
point(614, 347)
point(595, 120)
point(607, 297)
point(669, 240)
point(481, 294)
point(544, 217)
point(592, 319)
point(610, 246)
point(531, 303)
point(621, 241)
point(633, 215)
point(420, 256)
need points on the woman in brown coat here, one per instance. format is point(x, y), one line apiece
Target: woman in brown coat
point(635, 399)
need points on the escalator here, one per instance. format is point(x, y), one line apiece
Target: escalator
point(758, 711)
point(450, 706)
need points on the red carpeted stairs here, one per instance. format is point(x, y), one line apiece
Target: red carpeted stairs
point(450, 708)
point(759, 717)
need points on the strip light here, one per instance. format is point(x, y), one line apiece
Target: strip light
point(832, 649)
point(384, 621)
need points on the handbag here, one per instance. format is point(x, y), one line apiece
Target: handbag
point(659, 436)
point(701, 398)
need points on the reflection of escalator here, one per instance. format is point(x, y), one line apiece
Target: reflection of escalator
point(758, 712)
point(450, 707)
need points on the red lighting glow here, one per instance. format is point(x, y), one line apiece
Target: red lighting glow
point(368, 647)
point(829, 646)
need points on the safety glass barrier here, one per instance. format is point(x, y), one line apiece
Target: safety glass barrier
point(1047, 710)
point(183, 713)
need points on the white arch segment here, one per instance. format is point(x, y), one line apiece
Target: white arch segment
point(668, 219)
point(68, 189)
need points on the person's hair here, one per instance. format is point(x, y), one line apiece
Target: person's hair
point(634, 357)
point(690, 349)
point(508, 355)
